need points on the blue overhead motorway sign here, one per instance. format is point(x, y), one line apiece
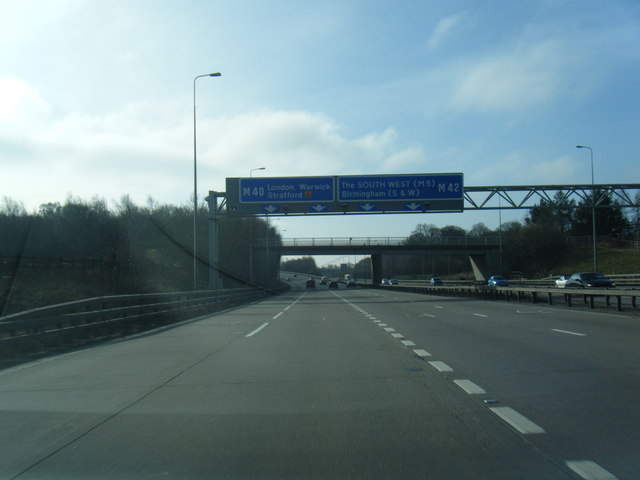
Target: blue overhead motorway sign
point(348, 194)
point(409, 188)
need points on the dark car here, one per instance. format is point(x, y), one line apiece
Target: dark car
point(435, 281)
point(311, 283)
point(588, 280)
point(497, 281)
point(333, 284)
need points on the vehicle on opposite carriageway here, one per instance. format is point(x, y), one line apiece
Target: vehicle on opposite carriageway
point(588, 280)
point(497, 281)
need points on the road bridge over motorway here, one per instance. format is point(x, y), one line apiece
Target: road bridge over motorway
point(430, 193)
point(475, 247)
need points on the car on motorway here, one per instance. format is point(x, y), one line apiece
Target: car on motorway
point(589, 280)
point(385, 281)
point(333, 285)
point(311, 283)
point(435, 281)
point(561, 281)
point(497, 281)
point(393, 281)
point(351, 283)
point(324, 280)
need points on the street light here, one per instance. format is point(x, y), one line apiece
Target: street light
point(593, 208)
point(195, 179)
point(251, 233)
point(254, 169)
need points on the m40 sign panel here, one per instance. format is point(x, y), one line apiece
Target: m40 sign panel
point(347, 194)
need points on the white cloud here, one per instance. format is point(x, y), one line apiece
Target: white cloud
point(523, 77)
point(20, 103)
point(298, 143)
point(443, 29)
point(146, 149)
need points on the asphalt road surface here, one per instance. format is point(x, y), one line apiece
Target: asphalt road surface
point(326, 384)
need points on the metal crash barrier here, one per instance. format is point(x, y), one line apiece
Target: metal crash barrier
point(143, 310)
point(530, 294)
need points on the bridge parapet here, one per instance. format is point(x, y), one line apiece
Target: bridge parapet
point(387, 241)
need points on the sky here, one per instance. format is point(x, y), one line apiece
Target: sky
point(96, 98)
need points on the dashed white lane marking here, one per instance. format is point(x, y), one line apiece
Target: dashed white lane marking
point(437, 306)
point(257, 330)
point(277, 315)
point(372, 317)
point(577, 334)
point(421, 353)
point(441, 366)
point(480, 315)
point(589, 470)
point(469, 387)
point(428, 315)
point(389, 329)
point(383, 325)
point(408, 343)
point(521, 423)
point(377, 321)
point(397, 335)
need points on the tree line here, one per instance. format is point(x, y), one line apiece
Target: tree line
point(131, 248)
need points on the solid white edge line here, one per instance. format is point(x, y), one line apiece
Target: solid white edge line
point(480, 315)
point(521, 423)
point(441, 366)
point(590, 470)
point(469, 387)
point(276, 316)
point(577, 334)
point(257, 330)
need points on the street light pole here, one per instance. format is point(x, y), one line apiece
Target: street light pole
point(195, 181)
point(251, 233)
point(593, 208)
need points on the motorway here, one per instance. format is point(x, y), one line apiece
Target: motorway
point(332, 384)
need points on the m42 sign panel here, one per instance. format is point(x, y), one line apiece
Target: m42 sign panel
point(383, 188)
point(347, 194)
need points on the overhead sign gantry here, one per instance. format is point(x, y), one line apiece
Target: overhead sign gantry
point(346, 194)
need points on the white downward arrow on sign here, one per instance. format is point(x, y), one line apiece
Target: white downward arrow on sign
point(367, 206)
point(318, 207)
point(271, 208)
point(412, 206)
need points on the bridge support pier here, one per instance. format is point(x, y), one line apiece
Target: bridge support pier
point(376, 269)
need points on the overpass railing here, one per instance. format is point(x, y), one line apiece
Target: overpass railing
point(384, 241)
